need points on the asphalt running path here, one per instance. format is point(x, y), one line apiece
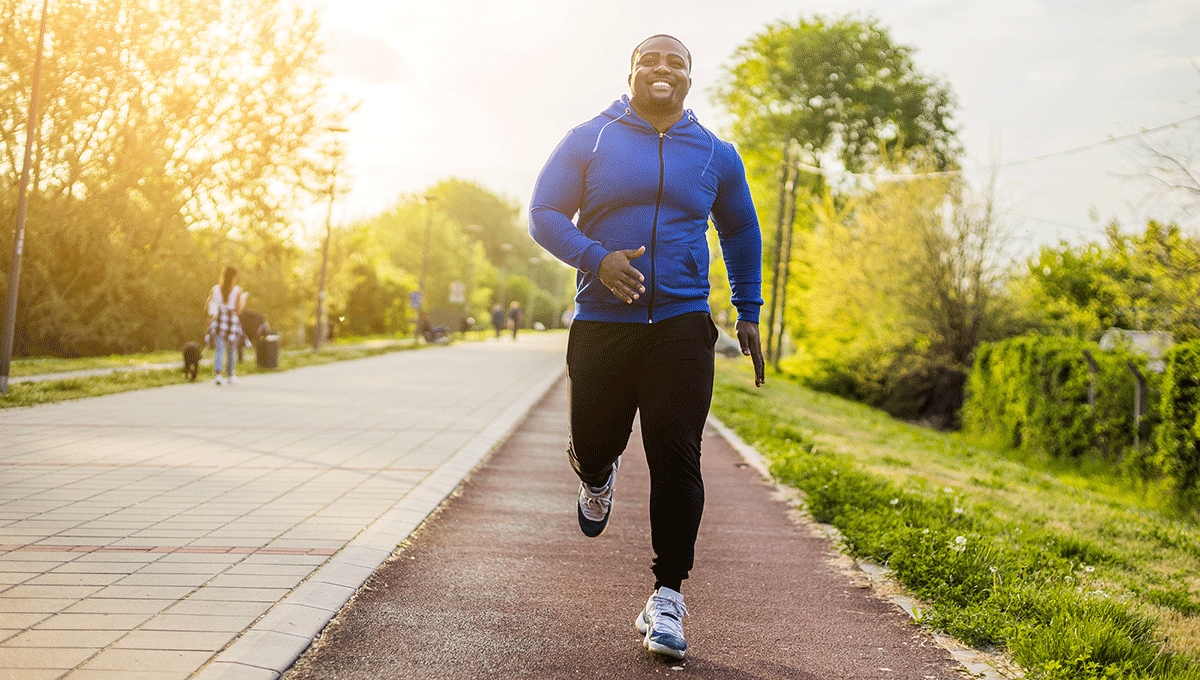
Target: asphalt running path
point(502, 584)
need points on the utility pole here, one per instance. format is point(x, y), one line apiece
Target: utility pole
point(429, 199)
point(534, 261)
point(14, 271)
point(319, 327)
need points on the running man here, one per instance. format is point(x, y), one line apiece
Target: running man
point(644, 176)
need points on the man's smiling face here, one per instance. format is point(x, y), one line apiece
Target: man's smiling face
point(661, 75)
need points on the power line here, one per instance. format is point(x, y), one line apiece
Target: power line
point(1007, 164)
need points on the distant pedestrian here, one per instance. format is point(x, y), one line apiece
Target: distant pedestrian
point(498, 318)
point(226, 302)
point(514, 315)
point(644, 177)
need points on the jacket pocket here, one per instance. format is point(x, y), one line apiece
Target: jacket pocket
point(681, 272)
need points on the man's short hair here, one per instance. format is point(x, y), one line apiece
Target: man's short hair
point(633, 56)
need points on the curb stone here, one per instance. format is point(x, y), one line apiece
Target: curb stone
point(265, 650)
point(979, 664)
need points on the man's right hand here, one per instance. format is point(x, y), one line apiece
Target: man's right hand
point(622, 278)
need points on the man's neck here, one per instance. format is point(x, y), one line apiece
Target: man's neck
point(661, 120)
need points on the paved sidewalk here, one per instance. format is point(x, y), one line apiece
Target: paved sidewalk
point(502, 584)
point(141, 533)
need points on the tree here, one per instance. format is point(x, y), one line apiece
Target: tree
point(175, 137)
point(837, 86)
point(826, 92)
point(899, 287)
point(1173, 166)
point(468, 203)
point(1147, 281)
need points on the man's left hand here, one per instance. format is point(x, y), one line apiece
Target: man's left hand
point(747, 334)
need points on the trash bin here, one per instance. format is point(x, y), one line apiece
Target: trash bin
point(266, 350)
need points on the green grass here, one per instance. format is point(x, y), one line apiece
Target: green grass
point(43, 365)
point(1076, 573)
point(50, 391)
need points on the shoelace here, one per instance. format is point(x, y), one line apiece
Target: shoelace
point(672, 623)
point(596, 503)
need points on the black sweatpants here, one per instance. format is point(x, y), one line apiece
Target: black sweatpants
point(665, 371)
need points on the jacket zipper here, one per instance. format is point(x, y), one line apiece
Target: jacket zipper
point(654, 228)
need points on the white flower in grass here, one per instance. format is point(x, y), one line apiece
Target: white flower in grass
point(895, 501)
point(948, 490)
point(960, 544)
point(925, 531)
point(958, 511)
point(1089, 569)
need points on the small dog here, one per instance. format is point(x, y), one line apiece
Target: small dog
point(191, 360)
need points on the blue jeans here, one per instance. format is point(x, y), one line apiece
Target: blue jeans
point(224, 350)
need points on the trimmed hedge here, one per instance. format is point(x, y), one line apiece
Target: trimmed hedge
point(1032, 393)
point(1179, 408)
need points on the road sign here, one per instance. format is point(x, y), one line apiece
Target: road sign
point(414, 299)
point(458, 292)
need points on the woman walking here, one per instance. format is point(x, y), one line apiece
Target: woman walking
point(226, 302)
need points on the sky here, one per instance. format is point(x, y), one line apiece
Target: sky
point(485, 89)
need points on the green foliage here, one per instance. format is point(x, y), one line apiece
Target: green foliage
point(1179, 433)
point(473, 238)
point(893, 293)
point(838, 85)
point(986, 580)
point(174, 138)
point(1137, 281)
point(1032, 393)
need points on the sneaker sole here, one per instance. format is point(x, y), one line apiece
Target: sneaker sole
point(641, 623)
point(588, 527)
point(662, 649)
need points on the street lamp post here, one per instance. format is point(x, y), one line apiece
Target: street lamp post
point(14, 271)
point(534, 261)
point(429, 199)
point(424, 295)
point(475, 230)
point(506, 248)
point(319, 326)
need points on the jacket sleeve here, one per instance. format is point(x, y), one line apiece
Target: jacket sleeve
point(557, 197)
point(741, 241)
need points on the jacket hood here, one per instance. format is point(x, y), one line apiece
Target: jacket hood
point(621, 110)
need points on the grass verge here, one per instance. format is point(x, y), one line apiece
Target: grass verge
point(51, 391)
point(1071, 581)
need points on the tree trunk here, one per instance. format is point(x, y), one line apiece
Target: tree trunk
point(785, 180)
point(786, 262)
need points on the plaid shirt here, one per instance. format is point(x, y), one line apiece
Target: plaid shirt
point(226, 323)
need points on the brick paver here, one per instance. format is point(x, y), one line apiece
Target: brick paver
point(142, 533)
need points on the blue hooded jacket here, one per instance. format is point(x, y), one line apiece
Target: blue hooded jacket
point(631, 187)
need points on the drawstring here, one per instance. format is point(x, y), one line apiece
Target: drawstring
point(712, 142)
point(601, 133)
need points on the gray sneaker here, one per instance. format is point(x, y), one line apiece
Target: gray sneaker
point(661, 623)
point(595, 504)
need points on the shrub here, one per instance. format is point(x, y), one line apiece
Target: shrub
point(1179, 408)
point(1032, 393)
